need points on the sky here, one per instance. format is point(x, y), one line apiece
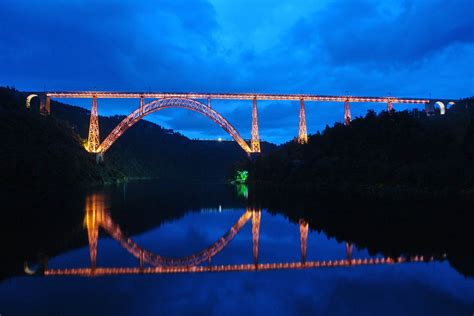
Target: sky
point(401, 48)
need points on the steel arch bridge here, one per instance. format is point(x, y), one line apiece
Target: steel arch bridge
point(161, 104)
point(190, 101)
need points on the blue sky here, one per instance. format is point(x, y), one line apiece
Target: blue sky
point(400, 48)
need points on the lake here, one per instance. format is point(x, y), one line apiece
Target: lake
point(208, 249)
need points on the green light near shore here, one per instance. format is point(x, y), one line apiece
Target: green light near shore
point(241, 176)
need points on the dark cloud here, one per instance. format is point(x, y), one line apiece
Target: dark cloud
point(362, 32)
point(106, 44)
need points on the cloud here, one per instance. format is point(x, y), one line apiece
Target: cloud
point(387, 33)
point(361, 47)
point(103, 44)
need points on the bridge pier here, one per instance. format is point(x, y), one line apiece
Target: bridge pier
point(303, 239)
point(93, 140)
point(255, 141)
point(302, 133)
point(349, 251)
point(347, 113)
point(256, 216)
point(48, 105)
point(442, 104)
point(389, 106)
point(92, 235)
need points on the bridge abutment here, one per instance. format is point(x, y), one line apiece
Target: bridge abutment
point(45, 104)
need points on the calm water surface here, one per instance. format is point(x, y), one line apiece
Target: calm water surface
point(175, 223)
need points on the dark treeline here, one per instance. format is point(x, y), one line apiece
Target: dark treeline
point(47, 151)
point(42, 152)
point(398, 154)
point(439, 228)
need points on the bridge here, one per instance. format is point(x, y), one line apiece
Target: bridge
point(202, 103)
point(96, 217)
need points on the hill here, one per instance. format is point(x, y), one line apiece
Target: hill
point(394, 154)
point(46, 151)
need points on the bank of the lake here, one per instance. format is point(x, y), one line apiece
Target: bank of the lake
point(399, 155)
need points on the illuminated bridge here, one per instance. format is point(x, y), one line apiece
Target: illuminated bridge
point(96, 217)
point(201, 103)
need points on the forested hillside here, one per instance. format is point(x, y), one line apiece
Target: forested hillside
point(393, 153)
point(46, 151)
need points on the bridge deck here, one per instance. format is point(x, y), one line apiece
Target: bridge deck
point(232, 96)
point(229, 268)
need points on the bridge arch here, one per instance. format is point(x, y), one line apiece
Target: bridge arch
point(442, 107)
point(158, 261)
point(29, 98)
point(161, 104)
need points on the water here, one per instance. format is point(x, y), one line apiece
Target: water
point(178, 221)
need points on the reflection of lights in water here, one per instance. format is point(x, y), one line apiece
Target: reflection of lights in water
point(242, 190)
point(98, 217)
point(220, 208)
point(27, 269)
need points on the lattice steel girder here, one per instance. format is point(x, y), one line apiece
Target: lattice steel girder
point(233, 96)
point(255, 139)
point(93, 139)
point(302, 132)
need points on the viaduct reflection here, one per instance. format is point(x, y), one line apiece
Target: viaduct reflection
point(96, 216)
